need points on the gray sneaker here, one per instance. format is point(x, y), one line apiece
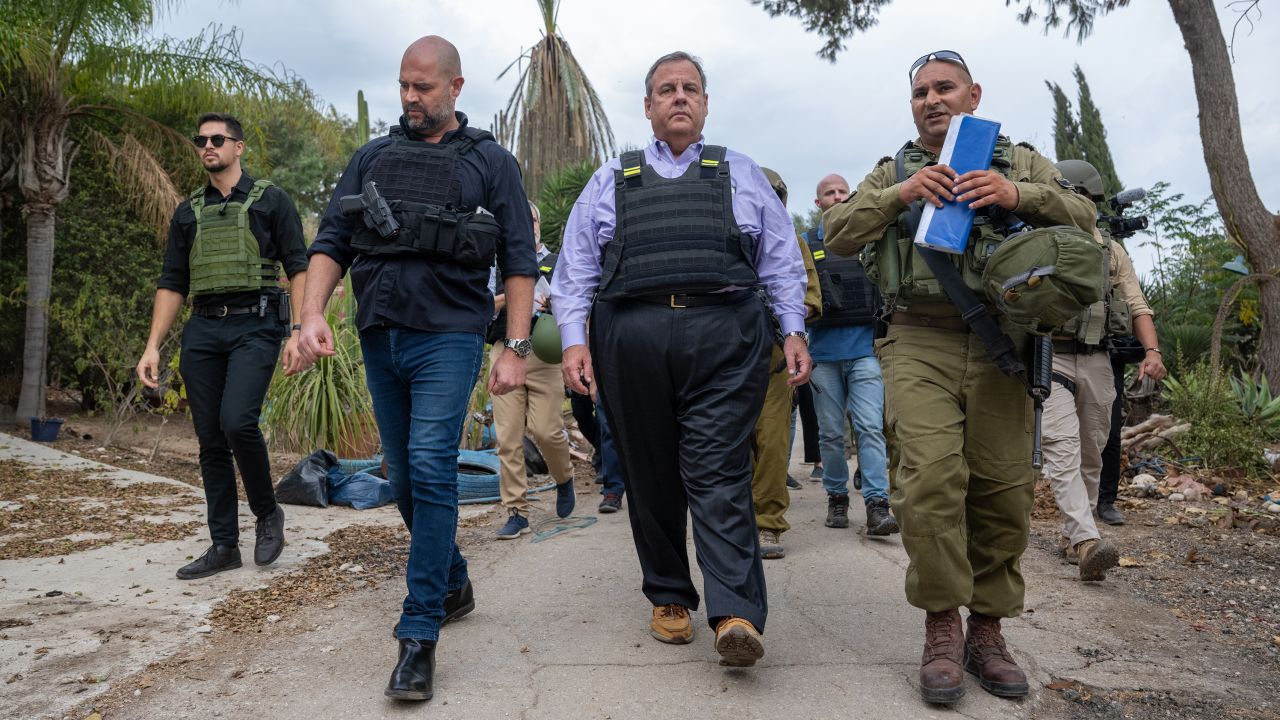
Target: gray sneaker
point(771, 545)
point(1110, 515)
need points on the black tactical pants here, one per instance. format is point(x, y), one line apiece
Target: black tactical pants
point(1109, 480)
point(226, 366)
point(683, 388)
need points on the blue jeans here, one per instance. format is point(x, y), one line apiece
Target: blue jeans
point(854, 387)
point(421, 383)
point(610, 468)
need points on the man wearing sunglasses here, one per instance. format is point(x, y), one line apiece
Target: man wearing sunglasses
point(456, 204)
point(963, 485)
point(226, 244)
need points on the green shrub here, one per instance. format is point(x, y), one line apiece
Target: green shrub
point(1221, 433)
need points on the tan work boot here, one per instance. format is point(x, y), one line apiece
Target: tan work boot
point(941, 679)
point(986, 656)
point(1096, 558)
point(670, 624)
point(738, 642)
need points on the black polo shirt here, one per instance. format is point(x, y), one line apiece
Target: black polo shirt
point(274, 222)
point(423, 293)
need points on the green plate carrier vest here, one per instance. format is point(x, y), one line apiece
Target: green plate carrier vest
point(422, 185)
point(675, 235)
point(1107, 317)
point(901, 274)
point(848, 296)
point(225, 256)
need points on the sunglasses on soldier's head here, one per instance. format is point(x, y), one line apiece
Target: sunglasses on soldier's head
point(217, 140)
point(950, 56)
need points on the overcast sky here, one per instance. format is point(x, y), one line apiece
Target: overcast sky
point(771, 97)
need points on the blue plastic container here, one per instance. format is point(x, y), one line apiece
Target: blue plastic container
point(45, 430)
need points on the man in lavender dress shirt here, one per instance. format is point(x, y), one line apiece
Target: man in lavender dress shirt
point(664, 255)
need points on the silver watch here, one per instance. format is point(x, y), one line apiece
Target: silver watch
point(520, 346)
point(804, 336)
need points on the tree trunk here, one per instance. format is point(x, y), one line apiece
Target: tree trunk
point(1247, 219)
point(35, 350)
point(43, 175)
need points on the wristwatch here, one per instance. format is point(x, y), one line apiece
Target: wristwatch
point(804, 336)
point(520, 346)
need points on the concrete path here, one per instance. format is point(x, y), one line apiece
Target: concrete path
point(561, 631)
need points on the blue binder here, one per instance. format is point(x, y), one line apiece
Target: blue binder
point(970, 142)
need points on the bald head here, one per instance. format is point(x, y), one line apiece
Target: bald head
point(832, 189)
point(436, 51)
point(430, 81)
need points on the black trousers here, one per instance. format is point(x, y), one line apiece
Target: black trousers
point(226, 366)
point(584, 412)
point(808, 424)
point(683, 388)
point(1109, 479)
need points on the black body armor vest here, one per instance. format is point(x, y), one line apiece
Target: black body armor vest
point(675, 235)
point(848, 295)
point(421, 183)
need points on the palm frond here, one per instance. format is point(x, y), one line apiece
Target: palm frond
point(154, 197)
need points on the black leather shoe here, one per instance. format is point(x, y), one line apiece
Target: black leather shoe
point(411, 678)
point(270, 537)
point(214, 560)
point(456, 604)
point(1110, 515)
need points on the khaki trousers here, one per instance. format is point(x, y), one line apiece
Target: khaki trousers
point(772, 452)
point(535, 409)
point(1075, 431)
point(963, 484)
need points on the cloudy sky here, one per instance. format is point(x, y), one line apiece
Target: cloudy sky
point(770, 95)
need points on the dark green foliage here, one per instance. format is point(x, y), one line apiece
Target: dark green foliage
point(1066, 129)
point(1093, 139)
point(556, 199)
point(1221, 433)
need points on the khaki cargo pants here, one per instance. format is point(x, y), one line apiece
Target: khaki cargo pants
point(534, 408)
point(963, 485)
point(1076, 427)
point(772, 453)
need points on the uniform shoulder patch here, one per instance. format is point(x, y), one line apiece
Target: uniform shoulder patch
point(1028, 146)
point(883, 160)
point(1066, 184)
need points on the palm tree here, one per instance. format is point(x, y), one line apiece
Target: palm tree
point(554, 117)
point(82, 71)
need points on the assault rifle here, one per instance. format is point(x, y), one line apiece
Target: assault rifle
point(377, 214)
point(1039, 383)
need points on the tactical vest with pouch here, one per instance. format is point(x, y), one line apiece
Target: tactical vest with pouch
point(897, 269)
point(675, 235)
point(1107, 317)
point(422, 184)
point(848, 296)
point(225, 256)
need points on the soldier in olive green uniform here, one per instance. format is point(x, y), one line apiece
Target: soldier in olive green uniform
point(1077, 415)
point(963, 482)
point(772, 452)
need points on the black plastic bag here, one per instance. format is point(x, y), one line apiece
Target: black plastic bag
point(305, 483)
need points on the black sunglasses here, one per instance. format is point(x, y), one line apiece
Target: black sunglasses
point(217, 140)
point(950, 56)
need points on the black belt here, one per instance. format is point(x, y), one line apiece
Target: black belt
point(1071, 346)
point(699, 300)
point(225, 310)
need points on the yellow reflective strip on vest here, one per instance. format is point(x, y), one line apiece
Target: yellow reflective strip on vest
point(819, 254)
point(628, 172)
point(545, 268)
point(707, 162)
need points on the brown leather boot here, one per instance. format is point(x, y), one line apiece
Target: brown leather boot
point(941, 680)
point(986, 656)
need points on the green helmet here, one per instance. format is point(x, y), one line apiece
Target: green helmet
point(779, 186)
point(546, 339)
point(1082, 174)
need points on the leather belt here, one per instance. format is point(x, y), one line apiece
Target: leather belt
point(953, 324)
point(225, 310)
point(1071, 346)
point(699, 300)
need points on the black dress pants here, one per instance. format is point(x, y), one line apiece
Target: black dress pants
point(226, 366)
point(683, 388)
point(1109, 478)
point(808, 424)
